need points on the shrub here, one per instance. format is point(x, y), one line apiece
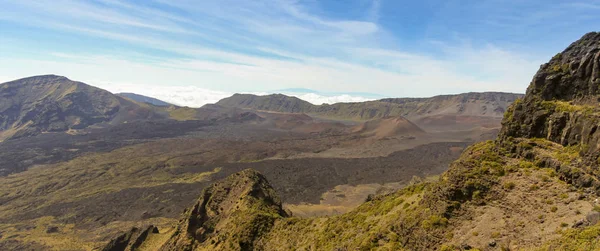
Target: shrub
point(434, 221)
point(446, 247)
point(525, 145)
point(495, 167)
point(511, 169)
point(509, 185)
point(477, 195)
point(553, 209)
point(525, 164)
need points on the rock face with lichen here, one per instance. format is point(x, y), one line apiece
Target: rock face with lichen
point(562, 105)
point(562, 100)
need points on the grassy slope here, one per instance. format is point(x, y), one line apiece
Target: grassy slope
point(497, 192)
point(487, 195)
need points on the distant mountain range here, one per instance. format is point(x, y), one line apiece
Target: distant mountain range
point(465, 110)
point(52, 103)
point(144, 99)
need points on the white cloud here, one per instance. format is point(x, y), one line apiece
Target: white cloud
point(83, 11)
point(328, 55)
point(179, 95)
point(193, 96)
point(319, 99)
point(173, 82)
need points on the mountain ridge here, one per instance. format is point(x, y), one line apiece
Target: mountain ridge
point(407, 107)
point(51, 103)
point(521, 191)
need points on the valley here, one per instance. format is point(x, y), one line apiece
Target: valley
point(143, 164)
point(299, 125)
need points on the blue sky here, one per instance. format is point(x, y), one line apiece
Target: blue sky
point(390, 47)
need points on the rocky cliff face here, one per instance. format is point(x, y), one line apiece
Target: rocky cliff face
point(562, 102)
point(562, 97)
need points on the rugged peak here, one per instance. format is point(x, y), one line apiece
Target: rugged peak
point(231, 214)
point(41, 79)
point(591, 36)
point(561, 103)
point(572, 75)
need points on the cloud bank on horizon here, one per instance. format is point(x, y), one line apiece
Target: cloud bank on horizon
point(393, 48)
point(193, 96)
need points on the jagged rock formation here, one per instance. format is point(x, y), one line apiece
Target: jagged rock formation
point(562, 99)
point(562, 106)
point(130, 240)
point(230, 215)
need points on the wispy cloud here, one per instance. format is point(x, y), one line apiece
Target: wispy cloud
point(235, 45)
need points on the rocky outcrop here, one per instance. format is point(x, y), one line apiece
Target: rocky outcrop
point(573, 75)
point(562, 106)
point(229, 215)
point(561, 103)
point(130, 240)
